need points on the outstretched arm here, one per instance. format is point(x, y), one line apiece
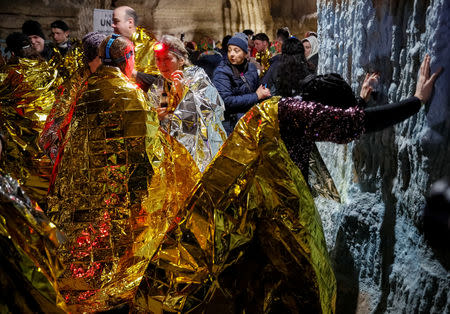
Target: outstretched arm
point(381, 117)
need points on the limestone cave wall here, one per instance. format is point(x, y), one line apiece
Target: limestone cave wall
point(382, 261)
point(195, 18)
point(78, 14)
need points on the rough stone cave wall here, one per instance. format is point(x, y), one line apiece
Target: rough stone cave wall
point(382, 262)
point(195, 18)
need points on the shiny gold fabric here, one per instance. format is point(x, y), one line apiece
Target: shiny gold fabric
point(196, 120)
point(263, 58)
point(35, 237)
point(249, 233)
point(320, 180)
point(52, 136)
point(68, 64)
point(144, 55)
point(120, 185)
point(27, 96)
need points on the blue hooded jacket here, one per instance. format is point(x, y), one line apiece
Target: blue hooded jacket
point(238, 90)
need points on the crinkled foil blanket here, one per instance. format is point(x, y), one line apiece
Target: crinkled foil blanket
point(143, 42)
point(143, 226)
point(26, 232)
point(196, 121)
point(27, 96)
point(119, 188)
point(249, 232)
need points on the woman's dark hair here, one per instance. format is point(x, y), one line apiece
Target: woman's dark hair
point(292, 69)
point(225, 41)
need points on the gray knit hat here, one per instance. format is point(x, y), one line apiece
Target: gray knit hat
point(240, 40)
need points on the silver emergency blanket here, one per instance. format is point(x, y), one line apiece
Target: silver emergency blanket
point(196, 121)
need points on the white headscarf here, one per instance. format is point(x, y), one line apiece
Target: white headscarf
point(314, 46)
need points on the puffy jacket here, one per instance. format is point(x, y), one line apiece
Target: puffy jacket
point(238, 92)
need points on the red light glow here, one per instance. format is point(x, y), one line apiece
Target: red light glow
point(159, 47)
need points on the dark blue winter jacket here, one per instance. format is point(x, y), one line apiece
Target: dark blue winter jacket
point(238, 90)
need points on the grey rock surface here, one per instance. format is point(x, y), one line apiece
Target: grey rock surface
point(382, 262)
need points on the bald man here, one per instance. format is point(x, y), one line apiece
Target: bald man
point(125, 22)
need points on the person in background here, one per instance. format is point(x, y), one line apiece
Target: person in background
point(263, 55)
point(193, 51)
point(237, 81)
point(282, 35)
point(224, 49)
point(251, 44)
point(188, 104)
point(27, 95)
point(34, 32)
point(125, 21)
point(53, 136)
point(210, 58)
point(68, 53)
point(311, 46)
point(19, 46)
point(291, 59)
point(60, 36)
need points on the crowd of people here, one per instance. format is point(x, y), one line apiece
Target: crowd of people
point(139, 175)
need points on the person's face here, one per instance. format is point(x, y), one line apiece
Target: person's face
point(307, 46)
point(236, 55)
point(37, 42)
point(122, 25)
point(59, 36)
point(260, 45)
point(167, 63)
point(251, 44)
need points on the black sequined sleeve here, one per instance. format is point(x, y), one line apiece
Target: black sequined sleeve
point(316, 122)
point(381, 117)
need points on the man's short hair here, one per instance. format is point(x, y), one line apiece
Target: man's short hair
point(283, 33)
point(248, 32)
point(262, 37)
point(91, 42)
point(130, 13)
point(60, 24)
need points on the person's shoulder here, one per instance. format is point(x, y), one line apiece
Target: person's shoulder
point(223, 67)
point(252, 68)
point(194, 71)
point(275, 59)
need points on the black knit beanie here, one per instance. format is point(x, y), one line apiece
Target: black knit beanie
point(31, 27)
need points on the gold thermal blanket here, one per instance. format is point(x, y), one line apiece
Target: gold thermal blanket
point(27, 96)
point(144, 54)
point(120, 184)
point(249, 238)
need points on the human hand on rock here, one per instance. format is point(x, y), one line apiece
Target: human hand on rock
point(370, 81)
point(425, 82)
